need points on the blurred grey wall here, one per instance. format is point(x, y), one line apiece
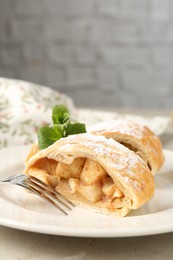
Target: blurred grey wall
point(99, 52)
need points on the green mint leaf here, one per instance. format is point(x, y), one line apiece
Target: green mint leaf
point(60, 115)
point(62, 127)
point(76, 128)
point(59, 129)
point(47, 136)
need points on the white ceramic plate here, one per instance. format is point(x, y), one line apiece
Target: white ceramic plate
point(21, 210)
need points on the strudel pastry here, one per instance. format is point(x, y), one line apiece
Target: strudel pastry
point(94, 172)
point(137, 137)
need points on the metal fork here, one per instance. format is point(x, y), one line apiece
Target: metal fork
point(41, 189)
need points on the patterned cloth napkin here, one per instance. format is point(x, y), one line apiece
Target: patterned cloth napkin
point(24, 107)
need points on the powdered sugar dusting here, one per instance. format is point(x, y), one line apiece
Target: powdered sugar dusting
point(135, 183)
point(127, 127)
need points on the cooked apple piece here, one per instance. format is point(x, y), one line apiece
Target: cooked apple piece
point(117, 203)
point(108, 186)
point(42, 175)
point(48, 165)
point(70, 170)
point(117, 193)
point(91, 193)
point(52, 167)
point(73, 182)
point(92, 172)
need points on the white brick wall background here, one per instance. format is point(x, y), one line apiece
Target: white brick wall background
point(114, 53)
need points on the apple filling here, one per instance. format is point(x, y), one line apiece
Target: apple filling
point(84, 179)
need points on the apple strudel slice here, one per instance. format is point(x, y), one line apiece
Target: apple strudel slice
point(95, 173)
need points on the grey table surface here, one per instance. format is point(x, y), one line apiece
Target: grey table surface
point(23, 245)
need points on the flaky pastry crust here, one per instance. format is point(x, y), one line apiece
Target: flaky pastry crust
point(114, 166)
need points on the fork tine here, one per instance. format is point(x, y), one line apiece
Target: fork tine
point(50, 189)
point(10, 178)
point(41, 193)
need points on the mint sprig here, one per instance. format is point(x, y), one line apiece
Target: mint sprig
point(62, 127)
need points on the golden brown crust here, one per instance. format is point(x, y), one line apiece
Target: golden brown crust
point(136, 137)
point(127, 170)
point(33, 150)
